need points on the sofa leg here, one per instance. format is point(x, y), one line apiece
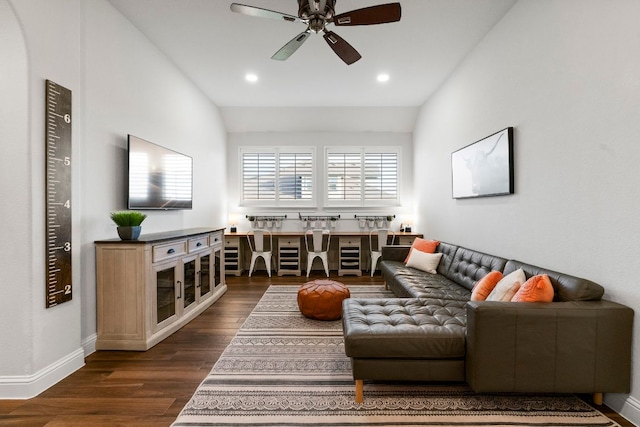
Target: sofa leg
point(597, 398)
point(359, 391)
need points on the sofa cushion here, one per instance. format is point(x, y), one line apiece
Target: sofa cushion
point(536, 289)
point(507, 286)
point(484, 286)
point(567, 288)
point(408, 282)
point(448, 251)
point(424, 261)
point(422, 245)
point(404, 328)
point(469, 266)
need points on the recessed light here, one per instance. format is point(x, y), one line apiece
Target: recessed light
point(383, 77)
point(252, 78)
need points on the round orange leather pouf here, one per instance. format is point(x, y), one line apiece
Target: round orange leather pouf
point(322, 299)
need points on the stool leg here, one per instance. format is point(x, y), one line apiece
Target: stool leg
point(253, 264)
point(359, 391)
point(267, 262)
point(325, 262)
point(310, 258)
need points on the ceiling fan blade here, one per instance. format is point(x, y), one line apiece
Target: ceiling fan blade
point(263, 13)
point(344, 50)
point(288, 49)
point(380, 14)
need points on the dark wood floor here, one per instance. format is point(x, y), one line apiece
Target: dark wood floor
point(119, 388)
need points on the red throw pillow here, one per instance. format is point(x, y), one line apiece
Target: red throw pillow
point(536, 289)
point(484, 286)
point(427, 246)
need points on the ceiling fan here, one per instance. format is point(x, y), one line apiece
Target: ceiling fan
point(316, 14)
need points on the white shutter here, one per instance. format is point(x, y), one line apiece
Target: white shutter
point(344, 176)
point(380, 176)
point(295, 178)
point(258, 176)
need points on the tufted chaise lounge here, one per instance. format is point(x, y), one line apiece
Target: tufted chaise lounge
point(578, 343)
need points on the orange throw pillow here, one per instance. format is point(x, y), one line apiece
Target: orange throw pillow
point(484, 286)
point(536, 289)
point(427, 246)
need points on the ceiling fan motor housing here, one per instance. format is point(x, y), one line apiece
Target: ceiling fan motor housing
point(313, 10)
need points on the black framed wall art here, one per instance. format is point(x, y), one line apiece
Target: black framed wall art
point(484, 168)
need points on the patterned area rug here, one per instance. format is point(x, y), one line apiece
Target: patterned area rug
point(282, 369)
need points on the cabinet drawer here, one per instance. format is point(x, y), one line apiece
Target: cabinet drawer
point(350, 264)
point(406, 240)
point(350, 251)
point(349, 242)
point(169, 250)
point(289, 242)
point(215, 238)
point(232, 241)
point(198, 243)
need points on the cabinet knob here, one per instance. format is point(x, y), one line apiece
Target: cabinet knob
point(199, 244)
point(171, 251)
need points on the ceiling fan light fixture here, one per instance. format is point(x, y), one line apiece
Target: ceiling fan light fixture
point(383, 77)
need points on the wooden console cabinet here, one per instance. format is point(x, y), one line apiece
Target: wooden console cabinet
point(149, 288)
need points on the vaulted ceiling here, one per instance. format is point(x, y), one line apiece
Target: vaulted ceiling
point(314, 90)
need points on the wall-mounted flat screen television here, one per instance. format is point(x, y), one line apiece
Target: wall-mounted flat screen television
point(484, 168)
point(159, 178)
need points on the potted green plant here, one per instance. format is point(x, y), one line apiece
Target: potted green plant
point(128, 223)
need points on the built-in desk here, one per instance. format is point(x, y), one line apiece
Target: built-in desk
point(349, 251)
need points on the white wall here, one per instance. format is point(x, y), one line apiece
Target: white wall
point(131, 88)
point(121, 84)
point(14, 137)
point(320, 140)
point(45, 343)
point(564, 74)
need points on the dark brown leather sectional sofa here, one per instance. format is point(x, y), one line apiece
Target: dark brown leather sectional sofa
point(431, 331)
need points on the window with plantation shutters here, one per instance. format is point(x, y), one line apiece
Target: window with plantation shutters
point(277, 177)
point(361, 176)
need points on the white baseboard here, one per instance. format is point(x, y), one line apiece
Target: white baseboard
point(28, 386)
point(89, 344)
point(625, 405)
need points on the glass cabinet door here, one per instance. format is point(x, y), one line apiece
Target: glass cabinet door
point(165, 293)
point(190, 282)
point(205, 275)
point(217, 266)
